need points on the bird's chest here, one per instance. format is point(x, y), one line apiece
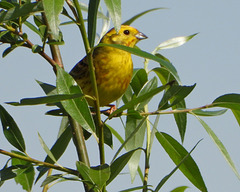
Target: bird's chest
point(114, 72)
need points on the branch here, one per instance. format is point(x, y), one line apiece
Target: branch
point(40, 163)
point(173, 111)
point(30, 45)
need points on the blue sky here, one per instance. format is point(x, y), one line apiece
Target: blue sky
point(211, 59)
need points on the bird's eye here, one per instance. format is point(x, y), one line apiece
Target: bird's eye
point(126, 32)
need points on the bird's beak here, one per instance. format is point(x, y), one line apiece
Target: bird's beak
point(141, 36)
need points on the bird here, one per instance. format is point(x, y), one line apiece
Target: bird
point(113, 67)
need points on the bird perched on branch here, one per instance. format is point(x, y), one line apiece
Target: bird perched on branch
point(113, 67)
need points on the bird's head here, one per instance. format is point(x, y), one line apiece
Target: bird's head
point(127, 36)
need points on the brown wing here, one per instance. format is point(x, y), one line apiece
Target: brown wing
point(80, 70)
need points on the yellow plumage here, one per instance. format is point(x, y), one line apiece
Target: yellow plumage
point(113, 67)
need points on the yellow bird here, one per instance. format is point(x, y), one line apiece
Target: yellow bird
point(113, 67)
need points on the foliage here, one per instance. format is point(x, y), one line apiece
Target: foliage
point(79, 122)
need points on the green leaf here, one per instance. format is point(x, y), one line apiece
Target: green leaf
point(114, 8)
point(180, 189)
point(220, 145)
point(36, 48)
point(120, 139)
point(25, 176)
point(200, 112)
point(92, 20)
point(8, 50)
point(135, 188)
point(139, 99)
point(127, 96)
point(236, 113)
point(55, 177)
point(180, 118)
point(163, 74)
point(134, 114)
point(177, 153)
point(131, 20)
point(77, 108)
point(6, 5)
point(52, 10)
point(57, 149)
point(47, 88)
point(147, 87)
point(174, 42)
point(135, 142)
point(7, 173)
point(46, 99)
point(139, 78)
point(107, 135)
point(164, 180)
point(50, 179)
point(11, 130)
point(84, 172)
point(175, 94)
point(129, 137)
point(33, 28)
point(231, 101)
point(146, 55)
point(20, 11)
point(46, 149)
point(117, 165)
point(100, 174)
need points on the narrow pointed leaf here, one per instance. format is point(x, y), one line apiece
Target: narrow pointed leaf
point(84, 171)
point(57, 150)
point(200, 112)
point(7, 173)
point(181, 119)
point(114, 8)
point(100, 174)
point(20, 11)
point(92, 20)
point(131, 20)
point(135, 142)
point(45, 99)
point(220, 146)
point(77, 108)
point(231, 101)
point(47, 88)
point(236, 113)
point(174, 42)
point(177, 153)
point(11, 130)
point(180, 189)
point(174, 94)
point(6, 5)
point(46, 149)
point(139, 78)
point(164, 180)
point(52, 10)
point(58, 177)
point(107, 135)
point(135, 188)
point(25, 176)
point(33, 28)
point(50, 179)
point(117, 165)
point(147, 87)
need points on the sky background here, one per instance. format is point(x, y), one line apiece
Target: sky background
point(211, 59)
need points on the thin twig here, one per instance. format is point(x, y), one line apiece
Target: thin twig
point(40, 163)
point(173, 111)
